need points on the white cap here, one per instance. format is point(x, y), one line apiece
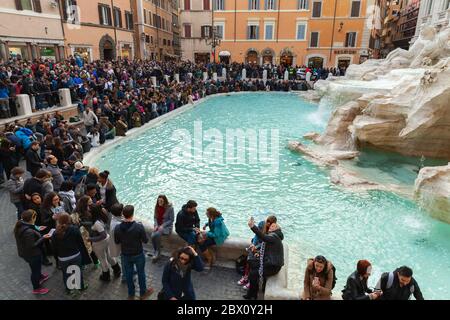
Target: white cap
point(78, 165)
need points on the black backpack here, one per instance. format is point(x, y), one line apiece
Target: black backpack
point(241, 262)
point(334, 277)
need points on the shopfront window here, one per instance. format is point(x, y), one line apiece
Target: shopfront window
point(18, 52)
point(84, 53)
point(47, 53)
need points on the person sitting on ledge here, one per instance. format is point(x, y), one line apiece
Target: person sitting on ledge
point(399, 285)
point(187, 225)
point(163, 224)
point(216, 235)
point(356, 287)
point(271, 257)
point(319, 279)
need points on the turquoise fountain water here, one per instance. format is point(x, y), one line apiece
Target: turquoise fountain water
point(316, 216)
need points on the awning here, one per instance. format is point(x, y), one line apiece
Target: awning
point(224, 54)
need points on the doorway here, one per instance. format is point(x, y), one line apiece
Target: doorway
point(315, 62)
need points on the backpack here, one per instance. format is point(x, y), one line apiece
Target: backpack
point(80, 189)
point(241, 262)
point(334, 277)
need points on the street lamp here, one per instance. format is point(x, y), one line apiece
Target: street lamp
point(213, 40)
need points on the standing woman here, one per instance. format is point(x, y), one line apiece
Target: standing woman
point(51, 208)
point(318, 280)
point(100, 243)
point(82, 218)
point(29, 242)
point(69, 249)
point(216, 235)
point(163, 223)
point(107, 190)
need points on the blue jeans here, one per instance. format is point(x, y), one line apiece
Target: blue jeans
point(20, 209)
point(206, 244)
point(36, 268)
point(77, 261)
point(128, 267)
point(189, 237)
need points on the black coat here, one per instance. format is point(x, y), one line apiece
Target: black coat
point(28, 240)
point(395, 292)
point(178, 285)
point(356, 288)
point(274, 253)
point(186, 222)
point(130, 235)
point(32, 185)
point(70, 244)
point(34, 161)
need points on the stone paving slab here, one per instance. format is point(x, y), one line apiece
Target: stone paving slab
point(219, 284)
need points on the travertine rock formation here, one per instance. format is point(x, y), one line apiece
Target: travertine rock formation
point(432, 191)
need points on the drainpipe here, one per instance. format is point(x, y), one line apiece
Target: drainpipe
point(235, 17)
point(278, 18)
point(332, 34)
point(61, 15)
point(140, 27)
point(114, 26)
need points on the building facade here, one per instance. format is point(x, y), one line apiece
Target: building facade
point(31, 29)
point(433, 12)
point(196, 23)
point(154, 29)
point(293, 32)
point(98, 29)
point(176, 28)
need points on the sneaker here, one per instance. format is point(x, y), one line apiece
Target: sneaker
point(41, 291)
point(44, 277)
point(147, 294)
point(246, 286)
point(243, 281)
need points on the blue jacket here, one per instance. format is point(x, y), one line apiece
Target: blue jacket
point(176, 285)
point(24, 138)
point(256, 240)
point(218, 231)
point(4, 93)
point(78, 176)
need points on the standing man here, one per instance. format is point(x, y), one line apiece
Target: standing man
point(187, 224)
point(131, 235)
point(399, 285)
point(33, 159)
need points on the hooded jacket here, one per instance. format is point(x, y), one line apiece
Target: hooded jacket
point(186, 222)
point(274, 253)
point(15, 188)
point(28, 240)
point(33, 161)
point(218, 231)
point(130, 235)
point(57, 176)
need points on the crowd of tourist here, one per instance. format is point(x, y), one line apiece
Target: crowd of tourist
point(69, 213)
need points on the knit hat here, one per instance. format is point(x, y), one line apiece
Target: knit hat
point(78, 165)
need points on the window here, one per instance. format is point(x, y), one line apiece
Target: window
point(163, 24)
point(129, 20)
point(303, 4)
point(70, 12)
point(314, 41)
point(206, 32)
point(206, 5)
point(429, 6)
point(317, 9)
point(356, 6)
point(270, 4)
point(147, 38)
point(253, 32)
point(253, 4)
point(104, 13)
point(145, 16)
point(350, 39)
point(31, 5)
point(219, 4)
point(168, 43)
point(117, 18)
point(187, 4)
point(187, 31)
point(150, 18)
point(220, 30)
point(301, 31)
point(268, 31)
point(155, 20)
point(164, 42)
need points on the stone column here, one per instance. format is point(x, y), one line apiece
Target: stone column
point(153, 81)
point(167, 78)
point(244, 74)
point(34, 53)
point(62, 52)
point(286, 75)
point(265, 76)
point(65, 99)
point(224, 73)
point(177, 77)
point(215, 76)
point(3, 54)
point(205, 76)
point(23, 105)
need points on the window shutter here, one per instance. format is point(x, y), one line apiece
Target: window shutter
point(64, 8)
point(347, 36)
point(109, 16)
point(37, 6)
point(100, 14)
point(120, 19)
point(249, 4)
point(257, 4)
point(275, 5)
point(19, 5)
point(257, 32)
point(266, 4)
point(355, 8)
